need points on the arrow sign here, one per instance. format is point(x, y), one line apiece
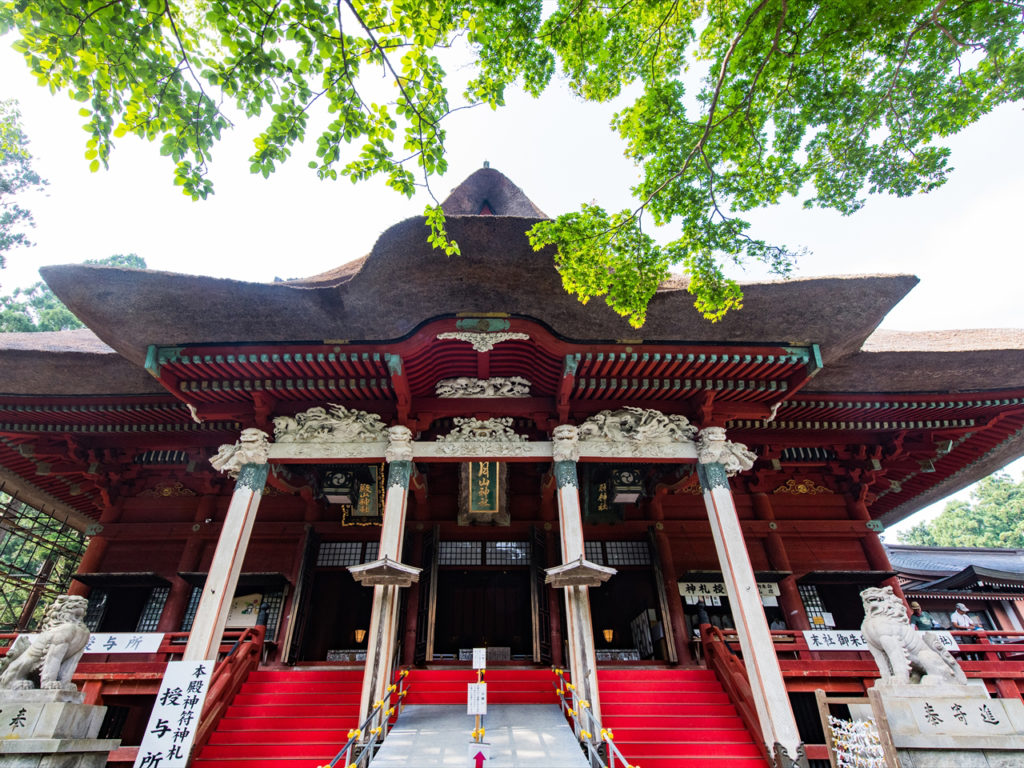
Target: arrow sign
point(478, 752)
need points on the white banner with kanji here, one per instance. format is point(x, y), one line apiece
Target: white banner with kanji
point(172, 725)
point(853, 640)
point(121, 642)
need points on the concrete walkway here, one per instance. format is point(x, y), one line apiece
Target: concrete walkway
point(520, 735)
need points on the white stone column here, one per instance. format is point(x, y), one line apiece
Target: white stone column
point(718, 459)
point(246, 461)
point(387, 574)
point(576, 574)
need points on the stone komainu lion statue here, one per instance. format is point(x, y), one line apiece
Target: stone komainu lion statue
point(902, 653)
point(52, 655)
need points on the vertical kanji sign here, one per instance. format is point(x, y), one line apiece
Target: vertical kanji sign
point(175, 718)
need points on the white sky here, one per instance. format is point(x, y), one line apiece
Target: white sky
point(963, 240)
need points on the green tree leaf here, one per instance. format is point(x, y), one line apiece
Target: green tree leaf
point(994, 517)
point(16, 178)
point(732, 105)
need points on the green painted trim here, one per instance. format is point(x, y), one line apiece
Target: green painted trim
point(206, 426)
point(482, 324)
point(712, 476)
point(151, 364)
point(572, 362)
point(157, 356)
point(394, 363)
point(565, 474)
point(399, 473)
point(253, 477)
point(655, 384)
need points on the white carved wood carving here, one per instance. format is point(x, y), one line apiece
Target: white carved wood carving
point(473, 437)
point(483, 342)
point(334, 424)
point(499, 386)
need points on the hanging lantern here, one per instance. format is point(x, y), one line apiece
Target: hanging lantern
point(340, 486)
point(609, 635)
point(627, 486)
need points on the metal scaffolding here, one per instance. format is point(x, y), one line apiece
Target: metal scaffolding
point(38, 556)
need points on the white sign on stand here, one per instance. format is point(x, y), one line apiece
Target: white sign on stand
point(167, 742)
point(476, 699)
point(479, 658)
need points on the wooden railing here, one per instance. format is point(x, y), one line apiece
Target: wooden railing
point(227, 678)
point(730, 671)
point(995, 657)
point(106, 676)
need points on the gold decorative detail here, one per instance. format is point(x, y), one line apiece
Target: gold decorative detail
point(167, 489)
point(803, 487)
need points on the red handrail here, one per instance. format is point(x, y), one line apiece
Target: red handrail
point(227, 679)
point(733, 675)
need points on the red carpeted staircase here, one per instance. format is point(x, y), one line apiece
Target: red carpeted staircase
point(675, 718)
point(504, 686)
point(286, 718)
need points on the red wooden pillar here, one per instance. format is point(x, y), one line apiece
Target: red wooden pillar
point(789, 596)
point(676, 616)
point(878, 559)
point(90, 564)
point(191, 556)
point(554, 607)
point(412, 602)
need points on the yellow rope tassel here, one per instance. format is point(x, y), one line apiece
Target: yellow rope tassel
point(585, 704)
point(392, 688)
point(606, 734)
point(391, 712)
point(375, 731)
point(570, 686)
point(586, 734)
point(572, 712)
point(378, 704)
point(355, 733)
point(403, 694)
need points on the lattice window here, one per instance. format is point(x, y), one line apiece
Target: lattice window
point(627, 552)
point(272, 602)
point(617, 552)
point(507, 553)
point(812, 600)
point(459, 553)
point(38, 556)
point(190, 610)
point(97, 607)
point(340, 554)
point(153, 609)
point(334, 554)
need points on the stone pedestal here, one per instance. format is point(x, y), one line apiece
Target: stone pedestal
point(953, 726)
point(51, 729)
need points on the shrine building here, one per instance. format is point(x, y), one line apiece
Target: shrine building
point(413, 455)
